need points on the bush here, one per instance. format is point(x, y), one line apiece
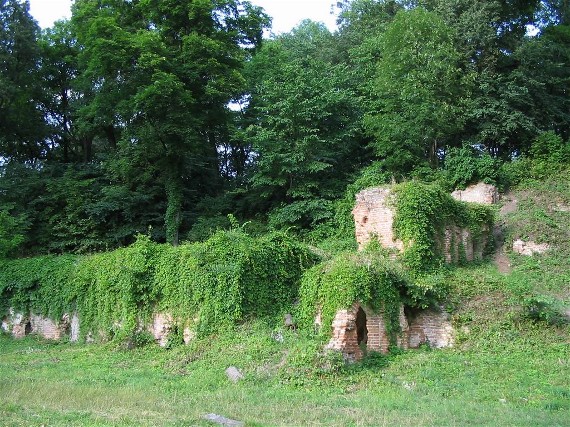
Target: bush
point(467, 165)
point(545, 309)
point(224, 280)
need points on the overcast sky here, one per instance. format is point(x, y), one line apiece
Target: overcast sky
point(286, 13)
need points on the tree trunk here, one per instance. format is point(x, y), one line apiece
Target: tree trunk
point(87, 149)
point(173, 216)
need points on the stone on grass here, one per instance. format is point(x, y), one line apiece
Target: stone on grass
point(288, 321)
point(234, 374)
point(218, 419)
point(529, 248)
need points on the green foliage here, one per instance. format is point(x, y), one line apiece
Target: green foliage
point(547, 157)
point(417, 91)
point(226, 279)
point(305, 133)
point(425, 291)
point(304, 213)
point(422, 211)
point(367, 278)
point(546, 309)
point(42, 285)
point(22, 125)
point(12, 231)
point(466, 166)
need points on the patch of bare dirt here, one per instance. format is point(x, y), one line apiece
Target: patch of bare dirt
point(509, 206)
point(500, 259)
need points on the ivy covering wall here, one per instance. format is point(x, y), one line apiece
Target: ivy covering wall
point(383, 283)
point(368, 278)
point(224, 280)
point(232, 275)
point(422, 211)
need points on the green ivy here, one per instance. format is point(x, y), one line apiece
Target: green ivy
point(366, 277)
point(226, 279)
point(421, 213)
point(40, 284)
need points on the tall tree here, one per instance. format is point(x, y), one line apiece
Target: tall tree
point(160, 75)
point(544, 70)
point(305, 134)
point(418, 88)
point(21, 123)
point(58, 69)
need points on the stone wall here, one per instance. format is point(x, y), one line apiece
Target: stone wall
point(429, 327)
point(374, 218)
point(19, 325)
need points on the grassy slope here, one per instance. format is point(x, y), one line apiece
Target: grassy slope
point(506, 370)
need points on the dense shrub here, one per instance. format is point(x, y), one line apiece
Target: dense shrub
point(466, 165)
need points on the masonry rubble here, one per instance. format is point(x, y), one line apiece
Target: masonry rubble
point(20, 325)
point(529, 248)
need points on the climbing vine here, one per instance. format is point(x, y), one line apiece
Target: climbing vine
point(212, 284)
point(422, 212)
point(368, 278)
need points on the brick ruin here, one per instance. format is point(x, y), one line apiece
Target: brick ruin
point(374, 217)
point(19, 325)
point(358, 329)
point(355, 330)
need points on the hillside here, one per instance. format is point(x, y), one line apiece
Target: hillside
point(508, 366)
point(172, 174)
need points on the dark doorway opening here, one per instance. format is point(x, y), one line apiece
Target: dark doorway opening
point(361, 329)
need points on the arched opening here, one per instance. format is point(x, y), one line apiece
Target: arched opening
point(361, 329)
point(28, 328)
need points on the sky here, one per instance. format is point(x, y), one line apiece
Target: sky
point(286, 13)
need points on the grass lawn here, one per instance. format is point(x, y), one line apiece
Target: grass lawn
point(289, 383)
point(510, 365)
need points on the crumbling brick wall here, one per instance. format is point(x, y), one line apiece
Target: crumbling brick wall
point(485, 194)
point(19, 325)
point(374, 218)
point(426, 327)
point(430, 327)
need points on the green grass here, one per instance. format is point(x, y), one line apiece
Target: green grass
point(520, 382)
point(507, 369)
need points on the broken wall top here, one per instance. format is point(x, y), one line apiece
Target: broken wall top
point(374, 218)
point(485, 194)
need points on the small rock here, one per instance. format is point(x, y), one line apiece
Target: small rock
point(529, 248)
point(234, 374)
point(278, 336)
point(503, 400)
point(288, 321)
point(223, 420)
